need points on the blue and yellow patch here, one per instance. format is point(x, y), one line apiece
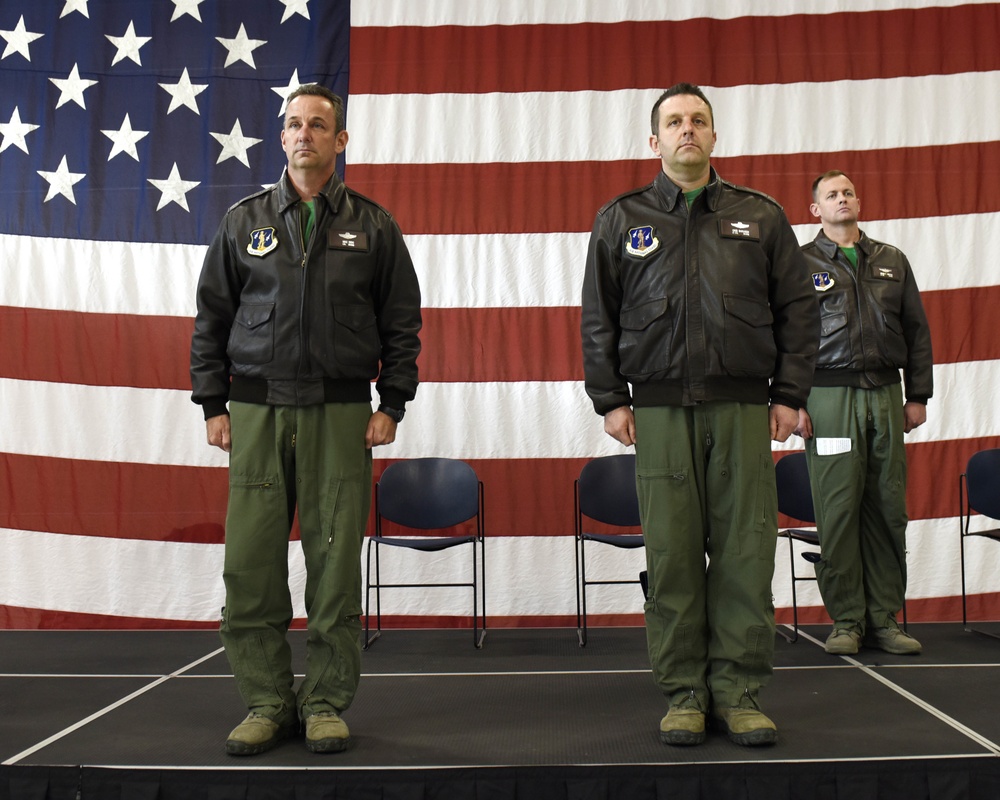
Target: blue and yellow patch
point(822, 281)
point(262, 241)
point(641, 241)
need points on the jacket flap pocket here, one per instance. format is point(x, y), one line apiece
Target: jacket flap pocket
point(639, 317)
point(892, 323)
point(254, 315)
point(355, 317)
point(751, 311)
point(832, 323)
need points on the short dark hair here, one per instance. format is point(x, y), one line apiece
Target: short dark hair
point(318, 90)
point(833, 173)
point(673, 91)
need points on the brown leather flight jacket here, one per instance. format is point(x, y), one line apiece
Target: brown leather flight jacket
point(872, 321)
point(683, 305)
point(283, 321)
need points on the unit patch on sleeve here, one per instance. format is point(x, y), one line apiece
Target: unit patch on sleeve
point(641, 241)
point(348, 240)
point(735, 229)
point(262, 241)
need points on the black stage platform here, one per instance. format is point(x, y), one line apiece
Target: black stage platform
point(144, 714)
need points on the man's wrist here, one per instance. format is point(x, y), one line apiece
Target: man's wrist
point(395, 414)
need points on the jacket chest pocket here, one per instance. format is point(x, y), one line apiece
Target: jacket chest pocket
point(835, 349)
point(646, 337)
point(251, 340)
point(895, 341)
point(353, 335)
point(749, 348)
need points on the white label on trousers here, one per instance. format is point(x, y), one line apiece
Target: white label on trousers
point(831, 447)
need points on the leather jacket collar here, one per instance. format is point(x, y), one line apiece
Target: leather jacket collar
point(288, 197)
point(829, 247)
point(672, 193)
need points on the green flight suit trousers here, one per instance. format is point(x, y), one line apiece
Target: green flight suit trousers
point(311, 460)
point(708, 505)
point(857, 468)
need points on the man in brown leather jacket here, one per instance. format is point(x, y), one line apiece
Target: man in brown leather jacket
point(306, 296)
point(873, 327)
point(699, 315)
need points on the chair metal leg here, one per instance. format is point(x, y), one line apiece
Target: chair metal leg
point(478, 634)
point(368, 594)
point(576, 562)
point(482, 630)
point(794, 637)
point(581, 629)
point(962, 527)
point(369, 639)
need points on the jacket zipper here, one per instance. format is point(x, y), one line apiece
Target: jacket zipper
point(302, 295)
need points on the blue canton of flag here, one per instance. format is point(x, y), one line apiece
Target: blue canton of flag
point(145, 121)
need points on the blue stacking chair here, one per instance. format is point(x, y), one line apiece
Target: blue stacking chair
point(425, 494)
point(979, 491)
point(605, 492)
point(795, 501)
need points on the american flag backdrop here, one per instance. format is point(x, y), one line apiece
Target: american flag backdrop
point(493, 131)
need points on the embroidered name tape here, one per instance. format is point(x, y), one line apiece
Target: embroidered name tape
point(348, 240)
point(737, 229)
point(885, 273)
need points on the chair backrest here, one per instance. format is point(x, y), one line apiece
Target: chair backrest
point(982, 476)
point(794, 492)
point(428, 493)
point(607, 490)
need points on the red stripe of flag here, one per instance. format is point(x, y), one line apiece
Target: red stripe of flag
point(623, 55)
point(154, 502)
point(524, 496)
point(460, 345)
point(911, 183)
point(20, 618)
point(146, 352)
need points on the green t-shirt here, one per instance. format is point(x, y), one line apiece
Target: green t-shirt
point(852, 255)
point(308, 218)
point(690, 196)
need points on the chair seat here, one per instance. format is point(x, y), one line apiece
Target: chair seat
point(427, 544)
point(809, 537)
point(629, 540)
point(993, 534)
